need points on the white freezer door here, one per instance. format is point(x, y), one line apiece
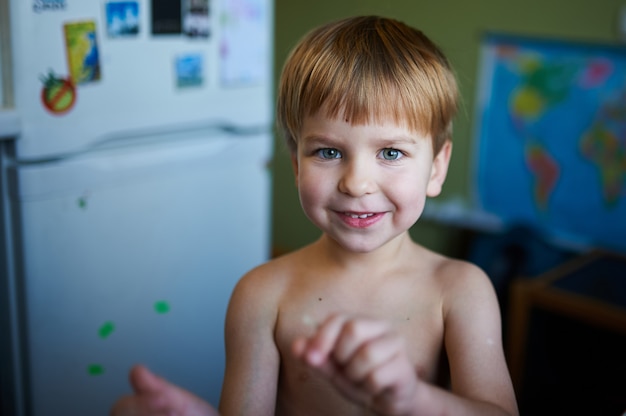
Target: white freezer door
point(131, 256)
point(137, 87)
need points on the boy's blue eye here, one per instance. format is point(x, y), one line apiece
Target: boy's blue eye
point(329, 153)
point(391, 154)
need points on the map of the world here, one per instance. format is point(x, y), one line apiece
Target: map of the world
point(552, 138)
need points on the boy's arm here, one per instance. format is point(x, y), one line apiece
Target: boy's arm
point(252, 359)
point(473, 340)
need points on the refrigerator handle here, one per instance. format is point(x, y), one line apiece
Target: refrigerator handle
point(158, 133)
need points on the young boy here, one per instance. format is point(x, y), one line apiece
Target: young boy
point(358, 322)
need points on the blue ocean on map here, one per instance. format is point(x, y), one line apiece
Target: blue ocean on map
point(551, 138)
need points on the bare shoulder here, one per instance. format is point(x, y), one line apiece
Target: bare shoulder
point(457, 271)
point(453, 277)
point(462, 281)
point(266, 283)
point(254, 307)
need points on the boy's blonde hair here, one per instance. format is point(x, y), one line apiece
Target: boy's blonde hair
point(368, 69)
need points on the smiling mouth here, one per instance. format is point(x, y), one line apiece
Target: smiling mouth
point(360, 220)
point(353, 215)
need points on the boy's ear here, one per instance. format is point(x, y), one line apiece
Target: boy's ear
point(294, 164)
point(439, 170)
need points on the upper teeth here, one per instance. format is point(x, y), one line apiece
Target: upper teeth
point(360, 216)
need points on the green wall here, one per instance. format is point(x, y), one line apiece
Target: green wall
point(456, 26)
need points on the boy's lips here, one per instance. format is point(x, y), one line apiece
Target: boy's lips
point(360, 219)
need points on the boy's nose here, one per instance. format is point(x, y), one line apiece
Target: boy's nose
point(357, 179)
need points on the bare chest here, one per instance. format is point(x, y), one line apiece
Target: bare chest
point(415, 316)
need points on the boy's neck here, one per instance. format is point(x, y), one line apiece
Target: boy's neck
point(393, 252)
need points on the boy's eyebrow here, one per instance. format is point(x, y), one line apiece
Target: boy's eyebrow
point(384, 141)
point(314, 137)
point(317, 140)
point(399, 139)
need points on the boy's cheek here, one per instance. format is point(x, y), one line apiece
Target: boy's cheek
point(311, 196)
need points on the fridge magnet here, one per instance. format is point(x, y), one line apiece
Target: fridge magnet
point(106, 329)
point(122, 18)
point(45, 5)
point(244, 45)
point(196, 18)
point(161, 307)
point(95, 369)
point(83, 200)
point(166, 17)
point(58, 95)
point(82, 51)
point(188, 70)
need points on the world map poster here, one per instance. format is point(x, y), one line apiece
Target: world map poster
point(551, 138)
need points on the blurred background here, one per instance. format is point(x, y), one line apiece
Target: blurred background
point(535, 194)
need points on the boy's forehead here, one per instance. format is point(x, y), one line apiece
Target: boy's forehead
point(381, 118)
point(322, 125)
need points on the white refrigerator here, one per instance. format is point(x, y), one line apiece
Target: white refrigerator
point(136, 142)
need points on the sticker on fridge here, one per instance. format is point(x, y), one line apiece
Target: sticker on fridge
point(58, 94)
point(244, 44)
point(45, 5)
point(188, 70)
point(82, 51)
point(122, 18)
point(196, 22)
point(166, 17)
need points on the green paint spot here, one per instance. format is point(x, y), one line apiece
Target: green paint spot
point(95, 370)
point(82, 203)
point(162, 306)
point(106, 329)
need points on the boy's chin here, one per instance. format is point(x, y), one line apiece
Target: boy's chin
point(361, 245)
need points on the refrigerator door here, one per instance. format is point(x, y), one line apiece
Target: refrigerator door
point(135, 82)
point(130, 256)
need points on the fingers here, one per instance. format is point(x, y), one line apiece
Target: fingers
point(319, 347)
point(339, 338)
point(155, 396)
point(355, 347)
point(143, 381)
point(356, 338)
point(365, 364)
point(133, 406)
point(364, 359)
point(150, 395)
